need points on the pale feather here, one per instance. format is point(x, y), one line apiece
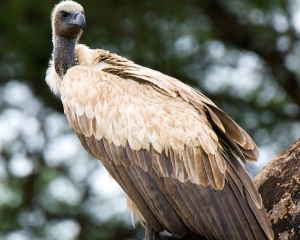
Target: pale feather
point(130, 124)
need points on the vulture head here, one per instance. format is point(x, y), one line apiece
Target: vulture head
point(68, 23)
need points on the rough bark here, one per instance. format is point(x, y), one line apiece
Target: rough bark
point(279, 186)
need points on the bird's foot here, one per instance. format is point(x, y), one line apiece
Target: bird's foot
point(157, 236)
point(163, 237)
point(152, 235)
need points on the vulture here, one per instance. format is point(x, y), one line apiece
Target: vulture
point(177, 156)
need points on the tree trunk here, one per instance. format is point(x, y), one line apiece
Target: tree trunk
point(279, 186)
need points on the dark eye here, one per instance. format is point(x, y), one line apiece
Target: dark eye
point(64, 14)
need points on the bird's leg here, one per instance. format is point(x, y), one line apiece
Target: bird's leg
point(163, 237)
point(150, 233)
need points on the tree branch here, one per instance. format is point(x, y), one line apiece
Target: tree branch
point(279, 186)
point(256, 38)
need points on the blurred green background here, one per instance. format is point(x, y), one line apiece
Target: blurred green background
point(243, 54)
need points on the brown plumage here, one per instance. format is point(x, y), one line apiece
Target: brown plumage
point(173, 151)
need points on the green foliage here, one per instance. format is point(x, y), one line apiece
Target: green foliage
point(244, 55)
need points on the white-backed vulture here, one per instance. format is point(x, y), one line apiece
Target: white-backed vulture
point(173, 151)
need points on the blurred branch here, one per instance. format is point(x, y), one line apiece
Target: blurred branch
point(256, 38)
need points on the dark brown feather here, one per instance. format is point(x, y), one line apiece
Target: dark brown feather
point(205, 209)
point(199, 220)
point(263, 222)
point(123, 157)
point(208, 169)
point(170, 192)
point(224, 221)
point(162, 163)
point(250, 155)
point(179, 171)
point(125, 180)
point(242, 179)
point(197, 166)
point(218, 176)
point(164, 211)
point(234, 130)
point(145, 160)
point(167, 203)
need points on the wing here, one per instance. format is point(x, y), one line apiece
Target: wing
point(233, 135)
point(169, 147)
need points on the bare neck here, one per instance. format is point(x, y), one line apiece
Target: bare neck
point(64, 54)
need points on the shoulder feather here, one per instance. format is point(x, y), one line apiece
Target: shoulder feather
point(165, 84)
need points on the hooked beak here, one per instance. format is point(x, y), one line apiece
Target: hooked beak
point(79, 20)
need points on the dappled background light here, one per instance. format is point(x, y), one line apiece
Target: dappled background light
point(69, 178)
point(50, 187)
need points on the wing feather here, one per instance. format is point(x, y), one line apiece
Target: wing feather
point(263, 222)
point(206, 210)
point(179, 171)
point(221, 164)
point(85, 125)
point(187, 168)
point(170, 192)
point(174, 87)
point(197, 165)
point(214, 212)
point(234, 130)
point(113, 153)
point(79, 109)
point(162, 163)
point(235, 207)
point(135, 157)
point(223, 220)
point(144, 160)
point(164, 211)
point(123, 157)
point(107, 150)
point(243, 180)
point(125, 180)
point(199, 219)
point(210, 171)
point(217, 175)
point(250, 155)
point(250, 220)
point(89, 111)
point(96, 129)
